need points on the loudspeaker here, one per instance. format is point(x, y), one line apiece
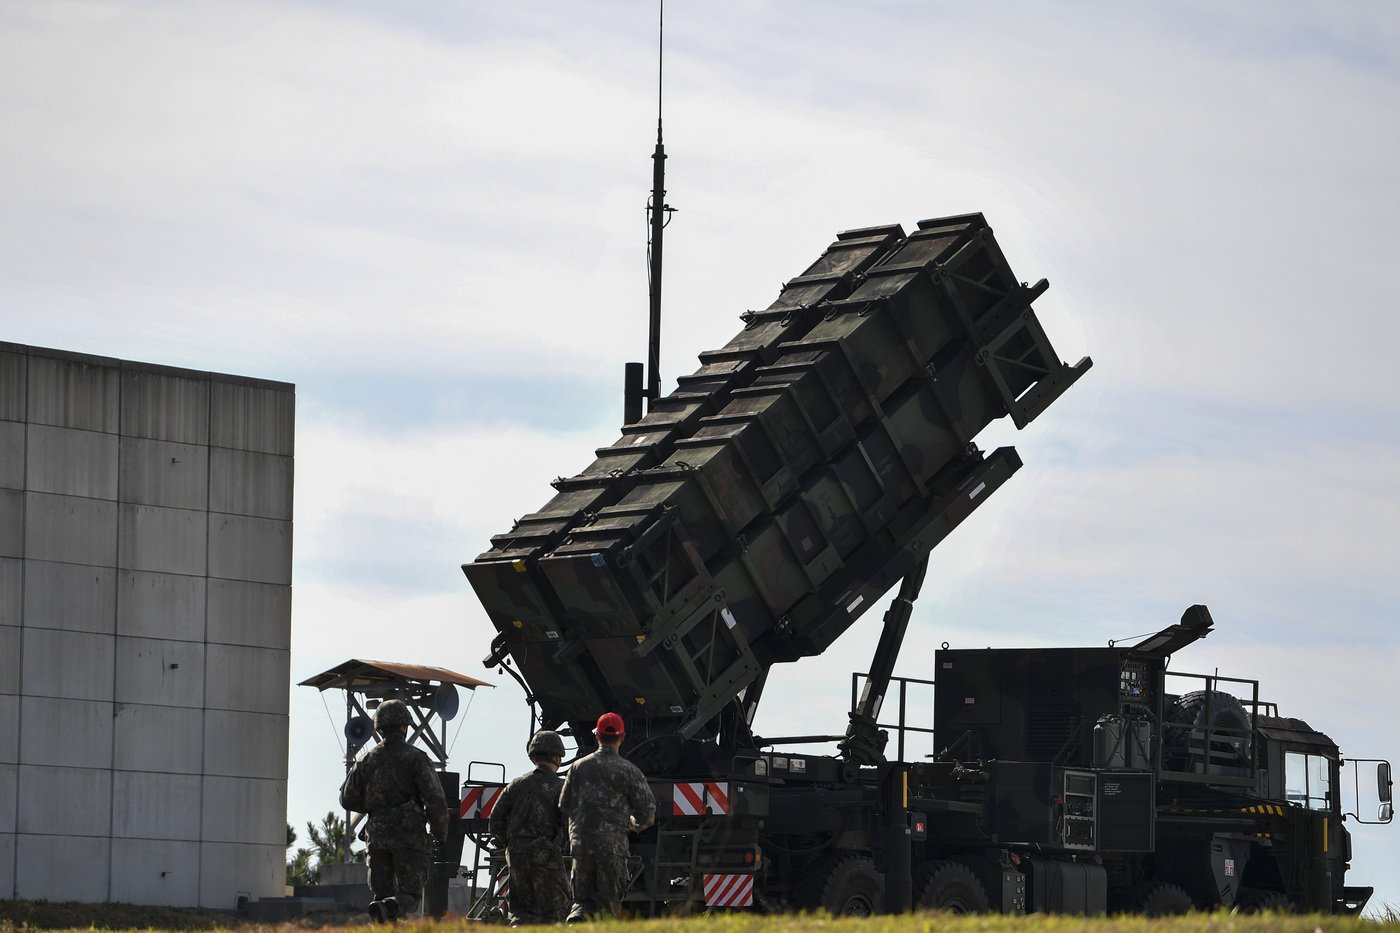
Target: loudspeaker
point(445, 701)
point(358, 730)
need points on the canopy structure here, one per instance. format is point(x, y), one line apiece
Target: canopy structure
point(368, 676)
point(430, 693)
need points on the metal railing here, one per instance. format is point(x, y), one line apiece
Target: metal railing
point(900, 728)
point(1215, 749)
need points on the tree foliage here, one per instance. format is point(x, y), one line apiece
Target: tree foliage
point(328, 847)
point(300, 870)
point(328, 840)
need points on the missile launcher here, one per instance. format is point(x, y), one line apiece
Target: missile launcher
point(752, 515)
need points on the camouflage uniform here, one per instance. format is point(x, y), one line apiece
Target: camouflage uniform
point(602, 795)
point(527, 823)
point(396, 785)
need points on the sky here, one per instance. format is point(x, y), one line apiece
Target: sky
point(429, 216)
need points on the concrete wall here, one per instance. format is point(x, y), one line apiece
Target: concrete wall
point(145, 623)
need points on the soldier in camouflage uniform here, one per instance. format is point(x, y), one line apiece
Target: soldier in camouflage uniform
point(395, 784)
point(604, 797)
point(527, 823)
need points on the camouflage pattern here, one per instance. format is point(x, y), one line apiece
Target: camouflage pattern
point(545, 742)
point(527, 823)
point(395, 784)
point(604, 797)
point(390, 715)
point(600, 879)
point(399, 875)
point(539, 885)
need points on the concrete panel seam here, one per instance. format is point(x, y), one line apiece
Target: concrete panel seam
point(204, 706)
point(116, 562)
point(208, 493)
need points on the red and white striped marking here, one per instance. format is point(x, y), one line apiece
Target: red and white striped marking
point(478, 802)
point(699, 798)
point(728, 890)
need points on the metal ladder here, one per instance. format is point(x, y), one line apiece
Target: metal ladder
point(675, 849)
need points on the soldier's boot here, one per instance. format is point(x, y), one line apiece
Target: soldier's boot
point(383, 911)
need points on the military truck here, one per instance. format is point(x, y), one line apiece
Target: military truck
point(750, 517)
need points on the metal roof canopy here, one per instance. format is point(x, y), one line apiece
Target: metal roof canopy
point(368, 677)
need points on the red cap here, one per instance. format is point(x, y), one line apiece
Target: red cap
point(610, 724)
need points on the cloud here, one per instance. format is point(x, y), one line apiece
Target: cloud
point(402, 509)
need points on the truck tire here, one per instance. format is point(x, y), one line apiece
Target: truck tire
point(1188, 714)
point(1162, 899)
point(1226, 711)
point(1262, 900)
point(854, 889)
point(952, 887)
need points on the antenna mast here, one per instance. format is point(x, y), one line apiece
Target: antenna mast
point(658, 214)
point(658, 210)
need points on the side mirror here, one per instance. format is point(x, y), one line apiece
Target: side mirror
point(1383, 791)
point(1363, 796)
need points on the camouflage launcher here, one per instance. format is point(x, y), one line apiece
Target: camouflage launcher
point(763, 506)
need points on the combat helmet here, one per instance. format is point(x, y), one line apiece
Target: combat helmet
point(545, 744)
point(391, 714)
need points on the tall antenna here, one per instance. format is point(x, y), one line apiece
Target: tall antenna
point(659, 212)
point(658, 215)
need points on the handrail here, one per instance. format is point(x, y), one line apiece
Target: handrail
point(900, 727)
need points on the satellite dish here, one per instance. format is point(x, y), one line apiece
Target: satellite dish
point(445, 701)
point(358, 730)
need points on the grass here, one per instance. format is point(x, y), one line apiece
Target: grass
point(996, 923)
point(44, 915)
point(41, 915)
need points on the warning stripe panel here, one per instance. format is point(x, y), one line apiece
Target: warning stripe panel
point(719, 796)
point(478, 802)
point(728, 890)
point(688, 800)
point(700, 798)
point(503, 887)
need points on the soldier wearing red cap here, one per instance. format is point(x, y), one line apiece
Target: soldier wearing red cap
point(605, 796)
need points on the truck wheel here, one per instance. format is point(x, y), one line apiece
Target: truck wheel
point(952, 887)
point(1163, 899)
point(1262, 900)
point(1226, 712)
point(854, 889)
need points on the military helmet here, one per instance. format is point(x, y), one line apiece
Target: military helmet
point(545, 744)
point(392, 714)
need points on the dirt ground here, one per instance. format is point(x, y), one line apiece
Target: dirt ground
point(43, 915)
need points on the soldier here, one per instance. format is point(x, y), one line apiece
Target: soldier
point(527, 823)
point(604, 797)
point(395, 784)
